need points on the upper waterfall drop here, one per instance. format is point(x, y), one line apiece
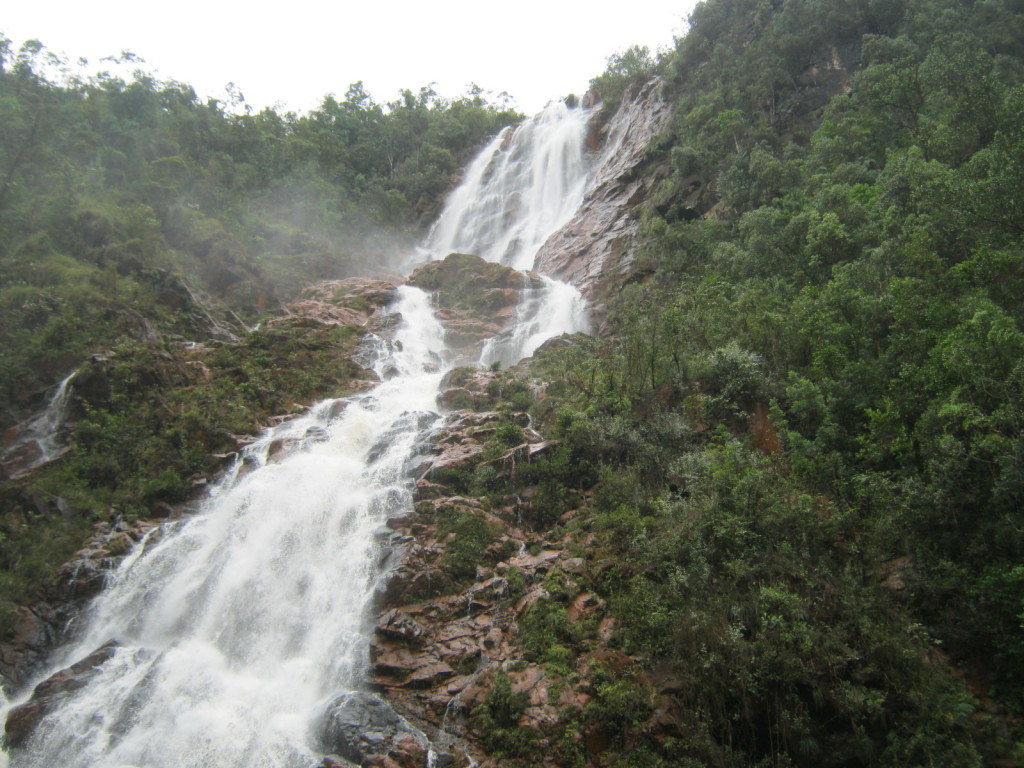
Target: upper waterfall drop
point(521, 188)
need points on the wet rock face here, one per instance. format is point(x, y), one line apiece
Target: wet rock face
point(436, 654)
point(363, 728)
point(475, 299)
point(23, 720)
point(597, 243)
point(21, 457)
point(353, 301)
point(42, 626)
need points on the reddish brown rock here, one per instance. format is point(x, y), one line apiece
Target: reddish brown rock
point(397, 625)
point(454, 456)
point(408, 752)
point(429, 676)
point(542, 558)
point(583, 605)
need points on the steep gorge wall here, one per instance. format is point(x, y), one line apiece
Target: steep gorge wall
point(597, 244)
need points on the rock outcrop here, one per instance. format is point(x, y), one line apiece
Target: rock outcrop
point(23, 719)
point(364, 729)
point(597, 244)
point(352, 301)
point(475, 299)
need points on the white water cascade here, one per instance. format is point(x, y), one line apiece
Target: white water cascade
point(234, 627)
point(527, 183)
point(43, 430)
point(551, 310)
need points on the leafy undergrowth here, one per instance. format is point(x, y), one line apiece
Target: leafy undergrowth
point(746, 617)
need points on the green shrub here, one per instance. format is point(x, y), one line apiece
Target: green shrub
point(621, 703)
point(547, 636)
point(508, 434)
point(547, 505)
point(497, 721)
point(469, 537)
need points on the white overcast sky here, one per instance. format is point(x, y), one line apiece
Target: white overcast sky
point(290, 54)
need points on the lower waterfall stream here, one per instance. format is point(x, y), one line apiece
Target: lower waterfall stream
point(229, 632)
point(242, 621)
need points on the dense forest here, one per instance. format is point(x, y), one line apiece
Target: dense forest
point(798, 433)
point(804, 424)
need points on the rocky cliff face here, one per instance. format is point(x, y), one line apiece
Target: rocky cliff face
point(473, 576)
point(597, 243)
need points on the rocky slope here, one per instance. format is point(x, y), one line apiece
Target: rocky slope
point(473, 573)
point(491, 633)
point(475, 300)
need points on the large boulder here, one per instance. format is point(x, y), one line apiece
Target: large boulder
point(363, 727)
point(475, 299)
point(462, 280)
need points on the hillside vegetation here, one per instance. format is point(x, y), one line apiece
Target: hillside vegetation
point(803, 426)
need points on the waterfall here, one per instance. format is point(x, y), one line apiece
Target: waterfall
point(41, 434)
point(229, 633)
point(545, 312)
point(526, 184)
point(46, 428)
point(233, 630)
